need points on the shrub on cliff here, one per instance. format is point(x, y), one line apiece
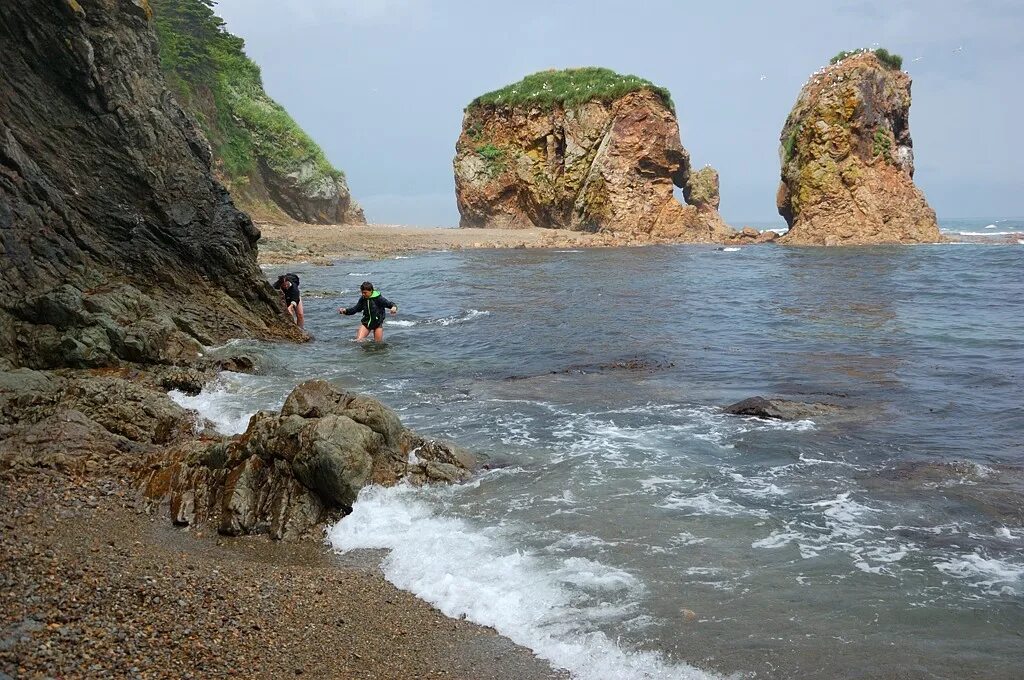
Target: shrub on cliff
point(893, 61)
point(223, 88)
point(570, 87)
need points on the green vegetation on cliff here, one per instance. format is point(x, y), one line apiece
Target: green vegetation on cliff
point(217, 83)
point(893, 61)
point(570, 87)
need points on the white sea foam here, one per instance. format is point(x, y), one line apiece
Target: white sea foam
point(359, 274)
point(730, 250)
point(568, 251)
point(992, 575)
point(401, 323)
point(229, 401)
point(468, 316)
point(987, 233)
point(476, 573)
point(708, 503)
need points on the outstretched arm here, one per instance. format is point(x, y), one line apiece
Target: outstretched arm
point(388, 304)
point(357, 307)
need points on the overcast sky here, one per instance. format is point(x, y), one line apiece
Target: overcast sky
point(381, 84)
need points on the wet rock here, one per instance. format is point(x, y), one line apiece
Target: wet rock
point(780, 409)
point(290, 472)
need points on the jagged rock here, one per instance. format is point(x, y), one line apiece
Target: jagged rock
point(779, 409)
point(605, 164)
point(290, 472)
point(701, 189)
point(308, 198)
point(120, 244)
point(848, 162)
point(62, 421)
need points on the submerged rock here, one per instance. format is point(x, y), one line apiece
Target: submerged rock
point(590, 151)
point(290, 472)
point(994, 490)
point(848, 161)
point(118, 243)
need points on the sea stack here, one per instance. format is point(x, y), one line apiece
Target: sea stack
point(118, 245)
point(848, 160)
point(582, 149)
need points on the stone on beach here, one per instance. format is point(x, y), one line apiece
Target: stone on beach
point(291, 472)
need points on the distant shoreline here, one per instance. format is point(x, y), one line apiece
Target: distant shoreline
point(321, 244)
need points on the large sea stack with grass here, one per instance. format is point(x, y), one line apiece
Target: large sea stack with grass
point(848, 159)
point(267, 161)
point(585, 149)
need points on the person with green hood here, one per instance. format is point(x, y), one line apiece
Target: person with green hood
point(372, 304)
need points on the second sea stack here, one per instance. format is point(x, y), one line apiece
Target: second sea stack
point(848, 159)
point(582, 149)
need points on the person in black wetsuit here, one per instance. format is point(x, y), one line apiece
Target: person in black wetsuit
point(289, 285)
point(372, 304)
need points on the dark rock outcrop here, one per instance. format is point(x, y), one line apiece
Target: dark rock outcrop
point(604, 164)
point(290, 472)
point(848, 162)
point(117, 243)
point(780, 409)
point(85, 421)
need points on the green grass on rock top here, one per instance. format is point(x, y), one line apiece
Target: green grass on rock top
point(198, 55)
point(893, 61)
point(570, 87)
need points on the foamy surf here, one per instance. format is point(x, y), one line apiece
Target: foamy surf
point(227, 402)
point(476, 573)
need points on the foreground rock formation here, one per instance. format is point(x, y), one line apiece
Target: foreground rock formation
point(117, 242)
point(291, 472)
point(848, 162)
point(539, 154)
point(264, 157)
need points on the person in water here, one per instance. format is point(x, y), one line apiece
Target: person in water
point(372, 304)
point(289, 285)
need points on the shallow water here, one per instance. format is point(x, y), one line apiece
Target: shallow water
point(636, 531)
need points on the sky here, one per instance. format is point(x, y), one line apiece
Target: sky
point(381, 84)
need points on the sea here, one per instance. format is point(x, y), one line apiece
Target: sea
point(626, 527)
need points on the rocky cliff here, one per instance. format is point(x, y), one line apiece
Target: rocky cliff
point(848, 159)
point(582, 149)
point(265, 158)
point(117, 243)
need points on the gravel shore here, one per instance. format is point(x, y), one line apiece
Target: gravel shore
point(93, 586)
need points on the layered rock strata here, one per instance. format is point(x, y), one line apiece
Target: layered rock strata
point(848, 160)
point(117, 243)
point(292, 471)
point(597, 165)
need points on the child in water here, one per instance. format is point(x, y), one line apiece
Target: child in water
point(372, 304)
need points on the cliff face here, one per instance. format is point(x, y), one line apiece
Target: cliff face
point(848, 160)
point(601, 164)
point(117, 243)
point(263, 156)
